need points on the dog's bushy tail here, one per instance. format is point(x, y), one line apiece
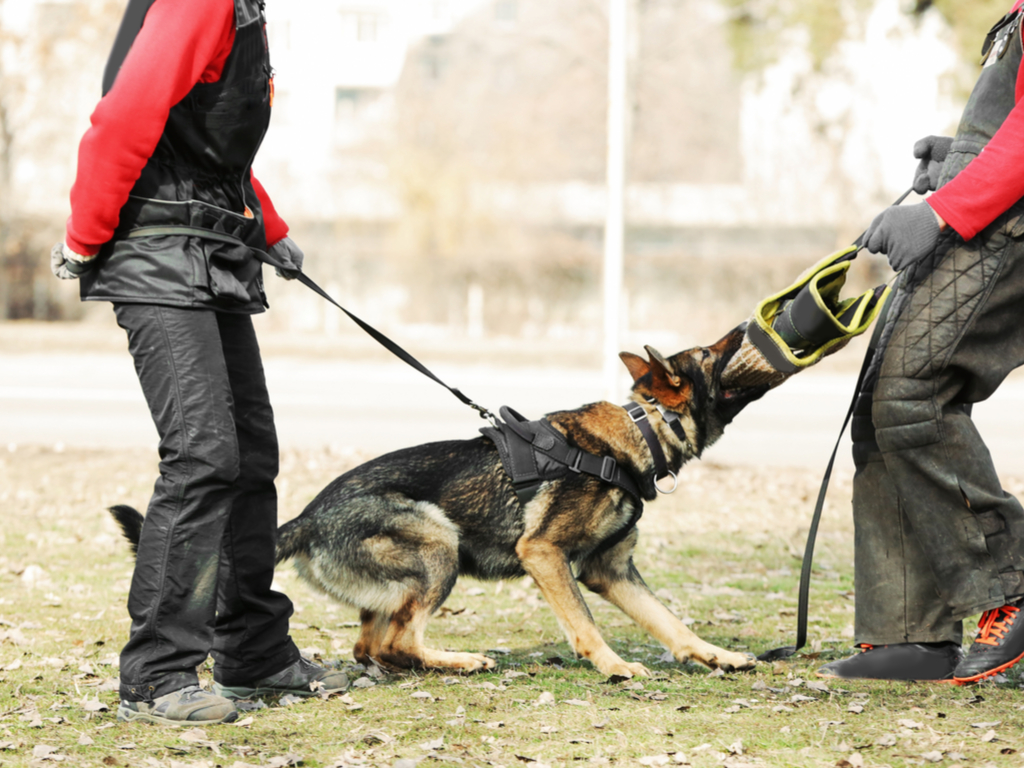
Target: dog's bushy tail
point(130, 521)
point(289, 540)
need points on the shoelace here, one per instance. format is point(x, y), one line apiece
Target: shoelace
point(865, 647)
point(992, 630)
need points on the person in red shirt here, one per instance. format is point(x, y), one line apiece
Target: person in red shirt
point(937, 537)
point(169, 223)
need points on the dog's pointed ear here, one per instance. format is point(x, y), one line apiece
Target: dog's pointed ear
point(669, 388)
point(662, 368)
point(636, 365)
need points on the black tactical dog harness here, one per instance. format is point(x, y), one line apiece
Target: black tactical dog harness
point(534, 452)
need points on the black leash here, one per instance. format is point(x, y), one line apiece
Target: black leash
point(307, 281)
point(803, 601)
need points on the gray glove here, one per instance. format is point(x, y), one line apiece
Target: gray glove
point(905, 233)
point(68, 265)
point(290, 256)
point(931, 151)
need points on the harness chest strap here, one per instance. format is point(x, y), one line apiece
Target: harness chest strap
point(533, 452)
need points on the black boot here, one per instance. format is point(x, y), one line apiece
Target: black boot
point(903, 661)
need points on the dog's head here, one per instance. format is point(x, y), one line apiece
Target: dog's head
point(689, 383)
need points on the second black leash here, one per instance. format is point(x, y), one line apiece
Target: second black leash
point(804, 596)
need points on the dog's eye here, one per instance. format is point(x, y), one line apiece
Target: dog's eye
point(706, 355)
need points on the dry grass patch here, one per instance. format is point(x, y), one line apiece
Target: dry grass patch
point(723, 553)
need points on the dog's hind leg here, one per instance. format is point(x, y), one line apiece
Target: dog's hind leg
point(374, 627)
point(547, 565)
point(613, 576)
point(398, 577)
point(404, 647)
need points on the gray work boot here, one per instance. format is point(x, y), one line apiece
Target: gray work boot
point(189, 706)
point(301, 678)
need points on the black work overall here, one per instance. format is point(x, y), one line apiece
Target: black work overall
point(202, 580)
point(937, 537)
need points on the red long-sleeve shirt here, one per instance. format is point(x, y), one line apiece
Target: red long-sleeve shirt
point(993, 181)
point(181, 43)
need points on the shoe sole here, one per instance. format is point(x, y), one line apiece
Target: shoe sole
point(252, 693)
point(988, 673)
point(946, 681)
point(126, 715)
point(237, 692)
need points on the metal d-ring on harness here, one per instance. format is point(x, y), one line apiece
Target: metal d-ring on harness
point(639, 416)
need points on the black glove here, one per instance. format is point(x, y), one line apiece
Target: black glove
point(290, 256)
point(905, 233)
point(68, 265)
point(931, 151)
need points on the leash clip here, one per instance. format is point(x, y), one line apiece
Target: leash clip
point(486, 414)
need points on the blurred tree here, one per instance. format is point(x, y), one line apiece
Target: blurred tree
point(758, 27)
point(51, 63)
point(969, 19)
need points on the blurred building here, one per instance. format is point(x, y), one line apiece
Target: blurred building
point(508, 95)
point(454, 149)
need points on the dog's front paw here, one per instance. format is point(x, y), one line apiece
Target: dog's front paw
point(625, 669)
point(729, 661)
point(476, 662)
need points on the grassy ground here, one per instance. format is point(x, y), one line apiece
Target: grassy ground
point(723, 553)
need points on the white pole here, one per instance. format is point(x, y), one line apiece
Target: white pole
point(615, 181)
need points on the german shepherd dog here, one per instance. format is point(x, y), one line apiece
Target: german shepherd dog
point(391, 536)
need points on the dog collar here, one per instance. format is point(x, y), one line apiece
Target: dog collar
point(639, 416)
point(670, 418)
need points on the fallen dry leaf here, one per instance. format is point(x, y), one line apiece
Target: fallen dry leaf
point(911, 724)
point(94, 705)
point(655, 760)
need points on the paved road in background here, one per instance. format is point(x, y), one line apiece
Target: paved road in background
point(93, 400)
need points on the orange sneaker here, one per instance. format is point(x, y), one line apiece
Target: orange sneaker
point(998, 646)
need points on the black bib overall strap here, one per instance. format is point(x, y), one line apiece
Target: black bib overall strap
point(131, 23)
point(198, 176)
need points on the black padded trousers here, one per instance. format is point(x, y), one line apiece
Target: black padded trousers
point(203, 574)
point(937, 537)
